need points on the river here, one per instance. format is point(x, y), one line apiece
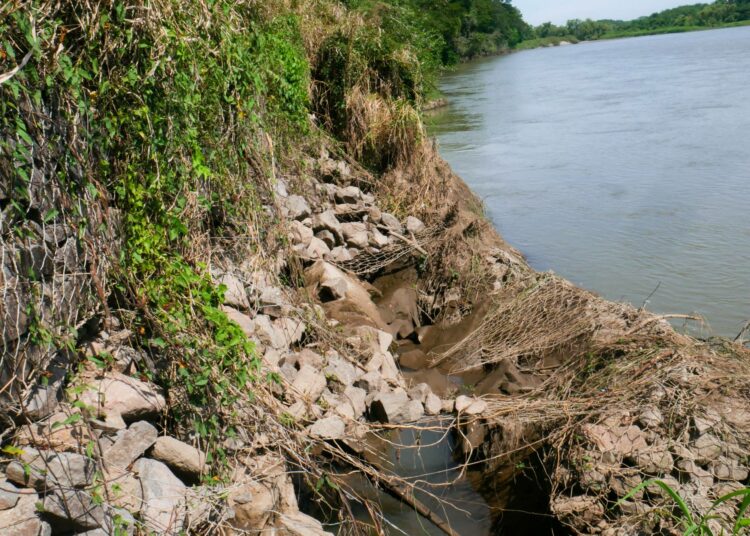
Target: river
point(621, 165)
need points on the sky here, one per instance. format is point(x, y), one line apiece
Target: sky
point(538, 11)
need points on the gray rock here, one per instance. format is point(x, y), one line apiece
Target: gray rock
point(300, 234)
point(356, 397)
point(355, 234)
point(333, 289)
point(295, 523)
point(45, 397)
point(50, 470)
point(327, 237)
point(470, 405)
point(340, 254)
point(371, 382)
point(118, 394)
point(235, 294)
point(317, 249)
point(327, 221)
point(420, 392)
point(297, 207)
point(309, 383)
point(378, 239)
point(395, 408)
point(9, 495)
point(341, 371)
point(164, 498)
point(391, 222)
point(274, 302)
point(245, 323)
point(696, 473)
point(329, 428)
point(432, 404)
point(74, 508)
point(179, 456)
point(268, 333)
point(348, 195)
point(728, 470)
point(707, 448)
point(414, 225)
point(22, 520)
point(291, 329)
point(130, 445)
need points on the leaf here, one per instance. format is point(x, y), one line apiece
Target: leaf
point(10, 450)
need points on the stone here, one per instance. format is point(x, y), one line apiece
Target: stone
point(130, 445)
point(49, 469)
point(245, 323)
point(420, 392)
point(696, 473)
point(274, 302)
point(355, 234)
point(329, 428)
point(333, 289)
point(432, 404)
point(300, 524)
point(371, 382)
point(53, 434)
point(300, 233)
point(23, 520)
point(74, 508)
point(357, 398)
point(164, 495)
point(391, 222)
point(291, 329)
point(651, 417)
point(180, 457)
point(448, 405)
point(707, 448)
point(235, 294)
point(116, 393)
point(655, 460)
point(327, 221)
point(414, 225)
point(45, 397)
point(388, 369)
point(124, 489)
point(9, 495)
point(348, 195)
point(327, 237)
point(309, 383)
point(297, 208)
point(317, 249)
point(620, 441)
point(470, 405)
point(395, 408)
point(587, 508)
point(340, 371)
point(378, 239)
point(340, 254)
point(253, 504)
point(726, 469)
point(266, 331)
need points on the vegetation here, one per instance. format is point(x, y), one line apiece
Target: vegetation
point(680, 19)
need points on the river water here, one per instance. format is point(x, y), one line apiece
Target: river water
point(622, 165)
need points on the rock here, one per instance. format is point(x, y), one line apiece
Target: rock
point(54, 435)
point(420, 392)
point(309, 383)
point(619, 441)
point(235, 294)
point(49, 470)
point(395, 408)
point(245, 323)
point(340, 371)
point(22, 519)
point(414, 225)
point(327, 237)
point(297, 208)
point(707, 448)
point(45, 397)
point(327, 221)
point(355, 234)
point(705, 423)
point(124, 490)
point(449, 406)
point(130, 445)
point(348, 195)
point(115, 393)
point(253, 504)
point(181, 457)
point(378, 239)
point(470, 405)
point(374, 214)
point(333, 289)
point(371, 382)
point(432, 404)
point(163, 510)
point(726, 469)
point(329, 428)
point(696, 473)
point(74, 508)
point(651, 417)
point(587, 508)
point(340, 254)
point(291, 329)
point(300, 233)
point(317, 249)
point(9, 495)
point(299, 524)
point(391, 222)
point(266, 331)
point(274, 303)
point(655, 460)
point(356, 397)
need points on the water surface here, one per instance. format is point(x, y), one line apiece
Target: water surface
point(621, 165)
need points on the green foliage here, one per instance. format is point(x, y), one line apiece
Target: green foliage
point(699, 526)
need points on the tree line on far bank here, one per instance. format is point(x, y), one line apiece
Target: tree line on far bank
point(683, 18)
